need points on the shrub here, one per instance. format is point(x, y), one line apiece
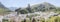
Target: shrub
point(5, 20)
point(54, 19)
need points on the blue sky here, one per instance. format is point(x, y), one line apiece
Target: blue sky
point(23, 3)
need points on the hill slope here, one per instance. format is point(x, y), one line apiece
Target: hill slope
point(43, 6)
point(39, 7)
point(3, 9)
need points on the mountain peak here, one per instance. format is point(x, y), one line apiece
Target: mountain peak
point(45, 3)
point(1, 5)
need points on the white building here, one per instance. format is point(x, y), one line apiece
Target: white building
point(1, 17)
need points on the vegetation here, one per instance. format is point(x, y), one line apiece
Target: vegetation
point(3, 9)
point(54, 19)
point(57, 10)
point(5, 20)
point(42, 7)
point(38, 7)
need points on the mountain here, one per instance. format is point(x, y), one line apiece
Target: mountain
point(3, 9)
point(12, 8)
point(38, 7)
point(43, 6)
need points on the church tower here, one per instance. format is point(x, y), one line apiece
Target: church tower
point(29, 8)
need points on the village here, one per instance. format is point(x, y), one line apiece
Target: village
point(29, 11)
point(13, 17)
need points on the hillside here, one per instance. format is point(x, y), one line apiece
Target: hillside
point(3, 9)
point(43, 6)
point(38, 7)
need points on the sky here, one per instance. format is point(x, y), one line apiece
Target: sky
point(23, 3)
